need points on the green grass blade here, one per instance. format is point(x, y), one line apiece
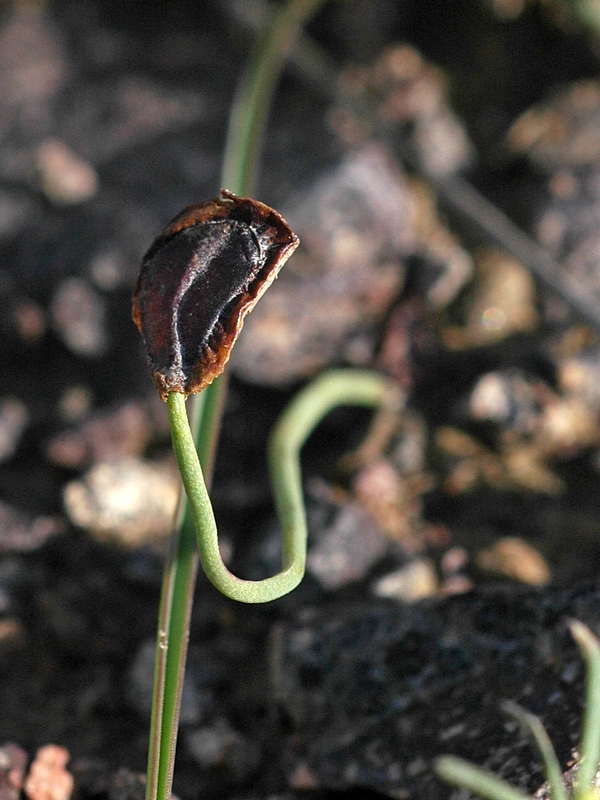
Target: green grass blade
point(532, 725)
point(250, 109)
point(465, 775)
point(589, 748)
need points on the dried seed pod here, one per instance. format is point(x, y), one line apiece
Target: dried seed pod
point(199, 280)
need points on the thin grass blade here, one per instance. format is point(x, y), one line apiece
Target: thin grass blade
point(465, 775)
point(589, 748)
point(533, 726)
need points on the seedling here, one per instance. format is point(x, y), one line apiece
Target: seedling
point(468, 776)
point(198, 281)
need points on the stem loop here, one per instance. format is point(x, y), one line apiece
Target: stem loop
point(305, 412)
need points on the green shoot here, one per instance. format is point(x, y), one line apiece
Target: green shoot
point(463, 774)
point(339, 387)
point(247, 124)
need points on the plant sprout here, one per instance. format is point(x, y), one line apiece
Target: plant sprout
point(195, 440)
point(465, 775)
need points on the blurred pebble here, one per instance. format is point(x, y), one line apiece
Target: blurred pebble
point(580, 375)
point(14, 418)
point(401, 88)
point(509, 398)
point(221, 746)
point(21, 532)
point(75, 403)
point(453, 560)
point(525, 467)
point(111, 435)
point(48, 779)
point(568, 425)
point(393, 501)
point(30, 320)
point(129, 501)
point(468, 461)
point(520, 464)
point(503, 302)
point(78, 316)
point(13, 761)
point(345, 550)
point(413, 582)
point(107, 269)
point(16, 209)
point(563, 132)
point(64, 176)
point(140, 682)
point(32, 65)
point(513, 558)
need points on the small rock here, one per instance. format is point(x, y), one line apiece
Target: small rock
point(580, 374)
point(453, 560)
point(449, 265)
point(64, 176)
point(508, 398)
point(78, 315)
point(565, 131)
point(107, 269)
point(33, 66)
point(568, 425)
point(413, 582)
point(128, 501)
point(503, 302)
point(75, 403)
point(402, 90)
point(392, 500)
point(30, 320)
point(13, 761)
point(21, 532)
point(107, 436)
point(14, 418)
point(48, 779)
point(347, 548)
point(515, 559)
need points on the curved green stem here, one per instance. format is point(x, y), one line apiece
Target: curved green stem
point(246, 125)
point(339, 387)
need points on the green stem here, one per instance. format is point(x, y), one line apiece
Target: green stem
point(247, 122)
point(181, 564)
point(533, 726)
point(255, 91)
point(340, 387)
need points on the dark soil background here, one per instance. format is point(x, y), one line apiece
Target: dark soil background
point(112, 119)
